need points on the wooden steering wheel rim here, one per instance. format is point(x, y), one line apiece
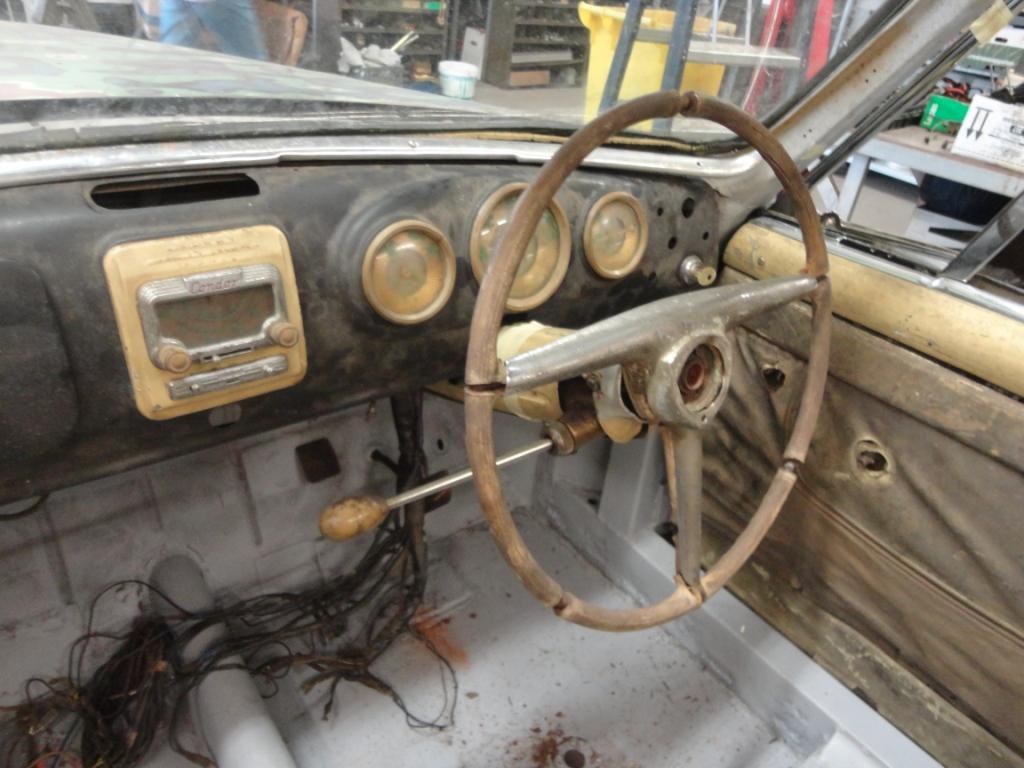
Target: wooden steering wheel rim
point(484, 379)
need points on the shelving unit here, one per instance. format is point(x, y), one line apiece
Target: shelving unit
point(534, 42)
point(384, 24)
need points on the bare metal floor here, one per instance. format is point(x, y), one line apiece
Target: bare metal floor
point(530, 686)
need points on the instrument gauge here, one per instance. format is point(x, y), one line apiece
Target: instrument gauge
point(409, 272)
point(546, 260)
point(615, 235)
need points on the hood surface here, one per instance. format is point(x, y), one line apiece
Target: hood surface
point(46, 63)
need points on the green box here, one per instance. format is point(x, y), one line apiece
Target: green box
point(943, 114)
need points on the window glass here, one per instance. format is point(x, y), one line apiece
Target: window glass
point(946, 178)
point(531, 63)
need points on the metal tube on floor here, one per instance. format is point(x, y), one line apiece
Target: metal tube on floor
point(227, 707)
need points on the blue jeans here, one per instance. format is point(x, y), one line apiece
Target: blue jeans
point(232, 23)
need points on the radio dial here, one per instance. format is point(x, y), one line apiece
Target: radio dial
point(283, 333)
point(173, 358)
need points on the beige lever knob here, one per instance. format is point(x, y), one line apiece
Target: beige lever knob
point(358, 514)
point(348, 518)
point(693, 271)
point(283, 333)
point(173, 358)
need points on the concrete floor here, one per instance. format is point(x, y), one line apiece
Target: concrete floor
point(884, 204)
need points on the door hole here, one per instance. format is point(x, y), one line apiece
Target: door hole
point(667, 530)
point(872, 459)
point(774, 377)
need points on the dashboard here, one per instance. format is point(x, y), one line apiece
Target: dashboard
point(145, 317)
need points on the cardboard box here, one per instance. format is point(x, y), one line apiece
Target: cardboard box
point(993, 131)
point(524, 78)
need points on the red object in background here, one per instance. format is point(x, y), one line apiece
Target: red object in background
point(778, 30)
point(954, 90)
point(780, 12)
point(821, 33)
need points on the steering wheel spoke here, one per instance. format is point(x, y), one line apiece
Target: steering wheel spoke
point(684, 460)
point(643, 334)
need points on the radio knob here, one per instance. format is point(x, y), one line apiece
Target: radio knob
point(173, 358)
point(283, 333)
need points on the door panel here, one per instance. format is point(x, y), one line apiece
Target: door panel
point(974, 339)
point(906, 526)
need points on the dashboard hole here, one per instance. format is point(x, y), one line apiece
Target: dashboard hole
point(441, 445)
point(689, 205)
point(660, 211)
point(672, 242)
point(317, 460)
point(161, 192)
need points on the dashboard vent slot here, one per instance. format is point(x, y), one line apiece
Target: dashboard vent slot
point(154, 193)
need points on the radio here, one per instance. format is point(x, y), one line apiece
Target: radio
point(206, 319)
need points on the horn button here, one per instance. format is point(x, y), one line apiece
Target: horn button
point(701, 379)
point(688, 383)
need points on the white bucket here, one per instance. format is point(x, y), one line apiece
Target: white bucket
point(458, 78)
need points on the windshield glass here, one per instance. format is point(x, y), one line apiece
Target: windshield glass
point(515, 63)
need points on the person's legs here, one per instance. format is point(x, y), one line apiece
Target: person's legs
point(235, 25)
point(178, 25)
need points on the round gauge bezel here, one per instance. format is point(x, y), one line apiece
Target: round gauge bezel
point(448, 280)
point(561, 262)
point(641, 246)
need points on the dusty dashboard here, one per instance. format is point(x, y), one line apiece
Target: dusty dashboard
point(146, 317)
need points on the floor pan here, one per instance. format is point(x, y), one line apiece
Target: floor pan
point(532, 690)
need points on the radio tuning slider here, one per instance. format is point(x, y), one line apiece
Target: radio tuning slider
point(173, 358)
point(283, 333)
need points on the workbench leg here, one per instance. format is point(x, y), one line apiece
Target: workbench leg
point(855, 174)
point(623, 50)
point(826, 200)
point(326, 35)
point(678, 51)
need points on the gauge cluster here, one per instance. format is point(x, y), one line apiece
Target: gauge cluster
point(173, 324)
point(411, 265)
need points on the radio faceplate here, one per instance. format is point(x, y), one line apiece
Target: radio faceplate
point(213, 315)
point(207, 319)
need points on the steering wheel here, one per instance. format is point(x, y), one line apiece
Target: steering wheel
point(675, 358)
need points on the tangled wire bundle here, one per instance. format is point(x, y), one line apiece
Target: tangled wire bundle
point(338, 629)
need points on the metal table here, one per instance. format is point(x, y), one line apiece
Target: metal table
point(924, 152)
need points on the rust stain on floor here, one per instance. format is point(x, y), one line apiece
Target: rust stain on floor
point(551, 746)
point(437, 633)
point(545, 749)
